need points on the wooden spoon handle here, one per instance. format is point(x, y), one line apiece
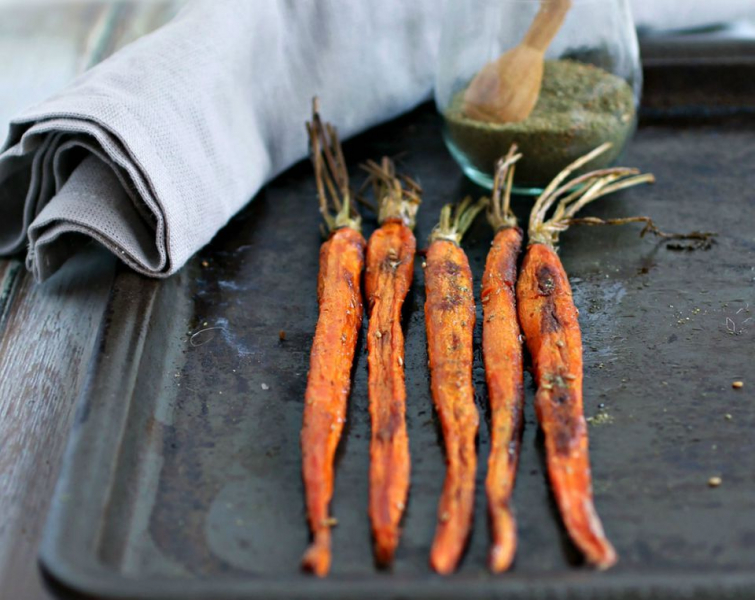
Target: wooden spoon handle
point(546, 24)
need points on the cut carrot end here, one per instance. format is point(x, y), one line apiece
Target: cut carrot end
point(504, 542)
point(443, 562)
point(604, 558)
point(386, 537)
point(385, 548)
point(316, 559)
point(447, 550)
point(501, 557)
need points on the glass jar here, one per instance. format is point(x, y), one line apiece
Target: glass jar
point(589, 92)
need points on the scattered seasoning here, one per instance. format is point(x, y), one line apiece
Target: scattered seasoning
point(738, 385)
point(580, 107)
point(714, 482)
point(282, 335)
point(205, 264)
point(602, 418)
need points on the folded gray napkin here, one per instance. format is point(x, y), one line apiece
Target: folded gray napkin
point(152, 151)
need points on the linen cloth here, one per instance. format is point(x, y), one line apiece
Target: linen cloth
point(686, 14)
point(152, 151)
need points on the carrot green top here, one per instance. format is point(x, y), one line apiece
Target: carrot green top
point(570, 197)
point(500, 214)
point(331, 175)
point(398, 196)
point(456, 219)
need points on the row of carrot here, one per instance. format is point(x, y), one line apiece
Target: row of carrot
point(532, 302)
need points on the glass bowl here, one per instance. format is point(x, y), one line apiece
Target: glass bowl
point(588, 95)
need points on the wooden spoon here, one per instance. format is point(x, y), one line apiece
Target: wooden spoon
point(506, 89)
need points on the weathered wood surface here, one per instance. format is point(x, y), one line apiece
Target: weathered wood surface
point(47, 332)
point(46, 344)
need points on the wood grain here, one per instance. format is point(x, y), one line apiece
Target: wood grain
point(47, 332)
point(47, 341)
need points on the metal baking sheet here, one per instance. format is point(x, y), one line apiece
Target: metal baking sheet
point(182, 476)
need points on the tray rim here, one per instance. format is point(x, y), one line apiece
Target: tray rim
point(89, 580)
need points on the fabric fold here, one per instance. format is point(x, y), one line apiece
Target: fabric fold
point(152, 151)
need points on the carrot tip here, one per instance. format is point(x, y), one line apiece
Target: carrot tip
point(384, 553)
point(503, 534)
point(607, 560)
point(501, 557)
point(316, 559)
point(386, 540)
point(443, 560)
point(443, 565)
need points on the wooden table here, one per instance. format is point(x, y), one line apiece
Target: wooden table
point(47, 331)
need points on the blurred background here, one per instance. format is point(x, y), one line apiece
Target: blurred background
point(45, 43)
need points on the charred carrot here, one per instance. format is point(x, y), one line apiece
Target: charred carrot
point(388, 277)
point(338, 324)
point(449, 320)
point(502, 353)
point(548, 318)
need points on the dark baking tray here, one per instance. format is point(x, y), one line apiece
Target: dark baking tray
point(181, 479)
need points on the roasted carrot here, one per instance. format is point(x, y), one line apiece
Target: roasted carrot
point(502, 353)
point(340, 319)
point(548, 318)
point(449, 320)
point(388, 277)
